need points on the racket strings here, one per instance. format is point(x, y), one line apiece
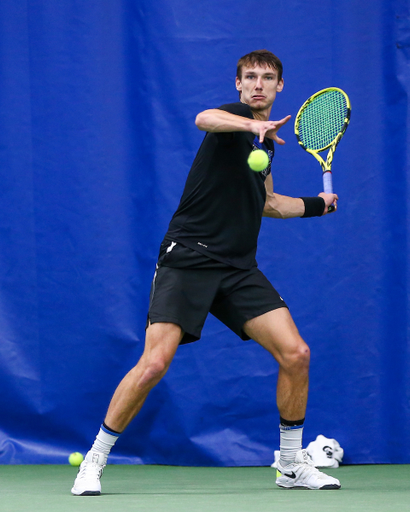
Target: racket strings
point(322, 120)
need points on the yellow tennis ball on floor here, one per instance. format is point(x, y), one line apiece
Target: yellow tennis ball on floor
point(258, 160)
point(75, 459)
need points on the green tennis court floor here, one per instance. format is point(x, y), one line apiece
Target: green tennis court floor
point(164, 488)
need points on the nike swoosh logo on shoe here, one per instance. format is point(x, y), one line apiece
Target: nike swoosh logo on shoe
point(290, 475)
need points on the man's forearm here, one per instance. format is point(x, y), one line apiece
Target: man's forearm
point(283, 207)
point(215, 120)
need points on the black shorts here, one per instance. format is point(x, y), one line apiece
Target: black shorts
point(187, 285)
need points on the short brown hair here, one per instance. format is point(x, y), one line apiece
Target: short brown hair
point(260, 58)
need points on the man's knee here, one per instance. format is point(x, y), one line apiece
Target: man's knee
point(150, 370)
point(296, 358)
point(160, 346)
point(154, 369)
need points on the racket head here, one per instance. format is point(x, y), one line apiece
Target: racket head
point(322, 119)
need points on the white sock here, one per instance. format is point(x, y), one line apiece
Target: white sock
point(104, 441)
point(290, 443)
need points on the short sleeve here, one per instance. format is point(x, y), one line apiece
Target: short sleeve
point(239, 109)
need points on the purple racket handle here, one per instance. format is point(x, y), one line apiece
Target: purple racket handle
point(328, 187)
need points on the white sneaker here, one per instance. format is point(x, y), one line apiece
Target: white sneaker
point(87, 482)
point(302, 474)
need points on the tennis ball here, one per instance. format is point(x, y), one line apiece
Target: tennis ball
point(258, 160)
point(75, 459)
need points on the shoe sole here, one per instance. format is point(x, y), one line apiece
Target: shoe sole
point(328, 487)
point(87, 493)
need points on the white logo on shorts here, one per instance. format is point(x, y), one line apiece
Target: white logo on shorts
point(173, 244)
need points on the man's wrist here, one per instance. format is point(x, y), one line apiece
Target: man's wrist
point(314, 206)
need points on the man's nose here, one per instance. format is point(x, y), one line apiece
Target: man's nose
point(259, 83)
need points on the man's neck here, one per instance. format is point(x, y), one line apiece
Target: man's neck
point(260, 115)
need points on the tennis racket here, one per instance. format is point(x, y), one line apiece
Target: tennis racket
point(320, 124)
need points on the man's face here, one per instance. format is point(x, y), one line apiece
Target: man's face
point(258, 86)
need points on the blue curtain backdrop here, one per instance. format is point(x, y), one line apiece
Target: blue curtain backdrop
point(97, 108)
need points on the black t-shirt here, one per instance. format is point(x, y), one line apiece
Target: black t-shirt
point(220, 211)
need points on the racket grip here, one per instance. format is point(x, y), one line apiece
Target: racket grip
point(328, 187)
point(327, 182)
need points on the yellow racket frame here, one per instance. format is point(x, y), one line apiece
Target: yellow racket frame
point(326, 165)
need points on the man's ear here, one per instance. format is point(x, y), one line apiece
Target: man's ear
point(238, 84)
point(280, 85)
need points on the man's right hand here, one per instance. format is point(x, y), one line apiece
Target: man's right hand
point(269, 129)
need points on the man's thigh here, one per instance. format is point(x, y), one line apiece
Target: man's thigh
point(276, 332)
point(243, 295)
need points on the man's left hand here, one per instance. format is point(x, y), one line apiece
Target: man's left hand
point(330, 200)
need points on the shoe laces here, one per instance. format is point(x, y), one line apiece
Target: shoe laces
point(306, 458)
point(304, 465)
point(87, 468)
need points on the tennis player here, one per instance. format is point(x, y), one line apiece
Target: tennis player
point(207, 264)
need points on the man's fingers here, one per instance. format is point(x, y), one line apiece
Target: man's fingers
point(270, 128)
point(278, 140)
point(283, 121)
